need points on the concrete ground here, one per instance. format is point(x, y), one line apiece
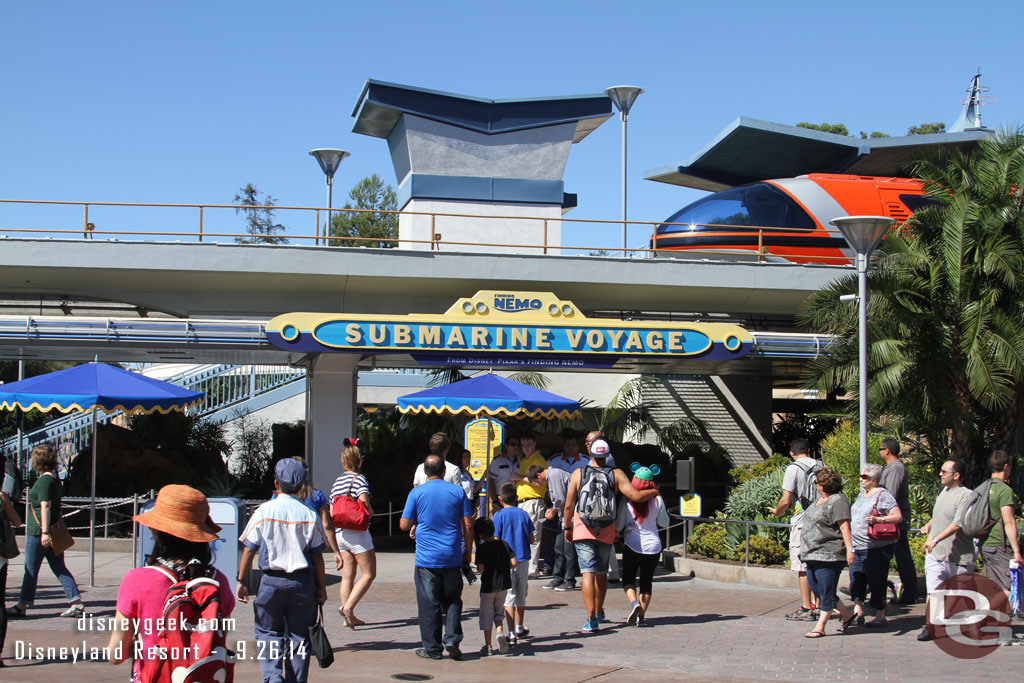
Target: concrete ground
point(702, 631)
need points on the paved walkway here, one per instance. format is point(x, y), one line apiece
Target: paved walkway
point(703, 630)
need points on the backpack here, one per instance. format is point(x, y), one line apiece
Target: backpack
point(13, 485)
point(807, 492)
point(977, 520)
point(193, 641)
point(596, 501)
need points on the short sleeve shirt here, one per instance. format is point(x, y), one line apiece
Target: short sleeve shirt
point(894, 480)
point(950, 507)
point(495, 557)
point(46, 488)
point(437, 508)
point(524, 489)
point(999, 496)
point(452, 475)
point(514, 526)
point(350, 480)
point(560, 462)
point(821, 539)
point(861, 509)
point(286, 533)
point(794, 480)
point(500, 469)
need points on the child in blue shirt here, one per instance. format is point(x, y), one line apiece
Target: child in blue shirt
point(513, 525)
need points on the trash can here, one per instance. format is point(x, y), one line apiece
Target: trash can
point(229, 515)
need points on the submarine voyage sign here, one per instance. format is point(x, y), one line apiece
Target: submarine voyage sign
point(521, 328)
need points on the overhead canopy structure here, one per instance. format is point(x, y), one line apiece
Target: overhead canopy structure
point(749, 150)
point(491, 396)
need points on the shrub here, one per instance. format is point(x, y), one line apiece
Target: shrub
point(763, 550)
point(840, 451)
point(709, 540)
point(751, 501)
point(745, 473)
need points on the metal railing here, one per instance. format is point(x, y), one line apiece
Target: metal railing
point(89, 228)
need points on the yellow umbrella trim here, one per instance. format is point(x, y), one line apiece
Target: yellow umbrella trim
point(550, 414)
point(11, 405)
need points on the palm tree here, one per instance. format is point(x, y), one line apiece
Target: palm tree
point(946, 314)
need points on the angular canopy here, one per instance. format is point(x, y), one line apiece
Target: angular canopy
point(96, 385)
point(489, 395)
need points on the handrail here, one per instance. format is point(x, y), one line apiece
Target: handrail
point(90, 230)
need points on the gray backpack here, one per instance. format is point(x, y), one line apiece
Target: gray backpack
point(807, 491)
point(977, 521)
point(596, 502)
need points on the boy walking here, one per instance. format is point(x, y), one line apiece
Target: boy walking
point(494, 563)
point(513, 525)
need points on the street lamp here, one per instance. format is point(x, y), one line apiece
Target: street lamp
point(624, 96)
point(863, 233)
point(329, 160)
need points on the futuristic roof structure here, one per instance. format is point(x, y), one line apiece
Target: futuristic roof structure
point(749, 150)
point(381, 104)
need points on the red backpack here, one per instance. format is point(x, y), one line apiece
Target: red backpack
point(193, 641)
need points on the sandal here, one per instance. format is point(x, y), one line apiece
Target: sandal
point(16, 611)
point(814, 634)
point(75, 611)
point(846, 624)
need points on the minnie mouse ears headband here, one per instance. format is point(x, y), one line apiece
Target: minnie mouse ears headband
point(646, 473)
point(352, 441)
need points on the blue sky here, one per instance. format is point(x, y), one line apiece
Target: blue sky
point(185, 102)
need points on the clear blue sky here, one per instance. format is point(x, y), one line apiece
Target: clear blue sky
point(185, 102)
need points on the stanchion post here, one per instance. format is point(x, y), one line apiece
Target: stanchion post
point(390, 517)
point(135, 538)
point(746, 550)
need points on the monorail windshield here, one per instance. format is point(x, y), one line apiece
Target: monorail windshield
point(759, 204)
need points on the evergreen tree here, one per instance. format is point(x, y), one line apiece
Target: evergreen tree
point(259, 217)
point(373, 224)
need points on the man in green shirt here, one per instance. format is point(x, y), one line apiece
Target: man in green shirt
point(1002, 543)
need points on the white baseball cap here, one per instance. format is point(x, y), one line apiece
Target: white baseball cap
point(600, 449)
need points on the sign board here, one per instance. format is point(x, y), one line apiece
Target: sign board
point(685, 475)
point(689, 505)
point(476, 439)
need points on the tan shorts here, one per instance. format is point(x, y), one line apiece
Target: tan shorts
point(492, 609)
point(794, 549)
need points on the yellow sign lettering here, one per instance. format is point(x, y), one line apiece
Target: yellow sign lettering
point(655, 342)
point(479, 336)
point(543, 338)
point(595, 339)
point(353, 335)
point(634, 343)
point(455, 337)
point(675, 341)
point(430, 335)
point(403, 335)
point(574, 338)
point(520, 338)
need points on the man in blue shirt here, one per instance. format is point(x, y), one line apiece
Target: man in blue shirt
point(442, 516)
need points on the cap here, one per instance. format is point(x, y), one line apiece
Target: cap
point(290, 474)
point(600, 449)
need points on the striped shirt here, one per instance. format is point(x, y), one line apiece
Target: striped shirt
point(342, 484)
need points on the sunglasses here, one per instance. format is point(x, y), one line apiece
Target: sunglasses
point(352, 441)
point(865, 476)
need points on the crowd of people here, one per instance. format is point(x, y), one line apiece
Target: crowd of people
point(577, 496)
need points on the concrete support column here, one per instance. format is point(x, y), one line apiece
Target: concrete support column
point(331, 414)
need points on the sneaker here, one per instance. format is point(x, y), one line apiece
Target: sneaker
point(591, 625)
point(502, 644)
point(522, 632)
point(602, 618)
point(803, 614)
point(641, 622)
point(565, 587)
point(426, 655)
point(487, 651)
point(925, 635)
point(512, 640)
point(634, 613)
point(553, 584)
point(454, 652)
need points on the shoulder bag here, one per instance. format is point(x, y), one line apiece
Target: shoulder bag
point(349, 513)
point(882, 531)
point(60, 537)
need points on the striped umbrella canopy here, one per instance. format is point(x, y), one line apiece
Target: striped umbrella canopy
point(491, 396)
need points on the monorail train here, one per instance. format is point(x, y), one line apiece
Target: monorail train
point(787, 219)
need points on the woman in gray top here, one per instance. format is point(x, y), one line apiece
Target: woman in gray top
point(870, 566)
point(826, 534)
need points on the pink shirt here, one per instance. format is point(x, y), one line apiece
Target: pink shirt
point(141, 596)
point(582, 532)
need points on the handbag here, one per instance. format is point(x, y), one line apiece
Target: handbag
point(349, 513)
point(319, 646)
point(882, 531)
point(8, 540)
point(60, 537)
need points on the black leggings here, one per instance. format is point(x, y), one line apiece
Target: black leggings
point(633, 562)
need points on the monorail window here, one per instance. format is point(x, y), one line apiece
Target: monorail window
point(916, 202)
point(759, 204)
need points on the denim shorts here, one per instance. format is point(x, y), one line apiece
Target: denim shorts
point(593, 556)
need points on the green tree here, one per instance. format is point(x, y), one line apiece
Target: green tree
point(259, 217)
point(874, 134)
point(33, 418)
point(373, 223)
point(836, 128)
point(927, 128)
point(946, 314)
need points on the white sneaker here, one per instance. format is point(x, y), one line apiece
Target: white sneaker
point(502, 644)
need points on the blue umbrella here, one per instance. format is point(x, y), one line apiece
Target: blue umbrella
point(90, 387)
point(489, 395)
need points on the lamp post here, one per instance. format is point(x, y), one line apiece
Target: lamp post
point(329, 160)
point(863, 233)
point(623, 96)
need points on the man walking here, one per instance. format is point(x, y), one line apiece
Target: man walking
point(442, 516)
point(589, 515)
point(564, 572)
point(1001, 545)
point(894, 480)
point(287, 536)
point(798, 489)
point(948, 550)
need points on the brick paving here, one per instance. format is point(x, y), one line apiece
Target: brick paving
point(702, 630)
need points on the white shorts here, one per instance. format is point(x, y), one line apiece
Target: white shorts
point(794, 549)
point(491, 611)
point(937, 571)
point(520, 584)
point(355, 542)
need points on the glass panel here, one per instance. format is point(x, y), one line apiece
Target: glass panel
point(760, 205)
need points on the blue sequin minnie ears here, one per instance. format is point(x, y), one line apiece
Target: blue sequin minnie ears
point(646, 473)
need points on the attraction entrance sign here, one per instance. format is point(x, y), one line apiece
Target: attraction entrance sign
point(502, 328)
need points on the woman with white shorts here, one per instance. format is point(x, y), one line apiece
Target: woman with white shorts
point(356, 546)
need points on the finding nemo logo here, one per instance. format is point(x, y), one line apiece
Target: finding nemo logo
point(531, 326)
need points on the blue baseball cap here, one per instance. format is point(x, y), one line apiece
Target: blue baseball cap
point(290, 474)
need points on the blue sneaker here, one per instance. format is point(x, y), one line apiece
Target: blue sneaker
point(591, 625)
point(602, 618)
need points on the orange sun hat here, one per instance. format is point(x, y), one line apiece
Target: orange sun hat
point(181, 511)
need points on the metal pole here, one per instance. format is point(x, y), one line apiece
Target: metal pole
point(625, 117)
point(330, 187)
point(135, 528)
point(746, 550)
point(92, 508)
point(390, 517)
point(20, 419)
point(862, 299)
